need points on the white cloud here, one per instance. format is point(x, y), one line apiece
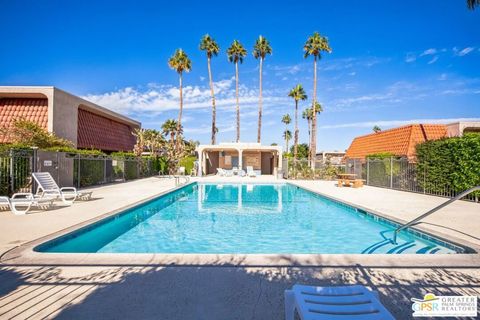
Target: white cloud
point(430, 51)
point(442, 77)
point(155, 99)
point(433, 60)
point(464, 51)
point(394, 123)
point(410, 57)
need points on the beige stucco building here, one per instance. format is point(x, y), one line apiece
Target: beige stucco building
point(85, 124)
point(264, 159)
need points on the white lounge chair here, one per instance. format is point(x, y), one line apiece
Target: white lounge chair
point(220, 172)
point(251, 172)
point(48, 188)
point(347, 302)
point(25, 201)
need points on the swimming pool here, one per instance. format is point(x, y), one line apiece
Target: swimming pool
point(244, 219)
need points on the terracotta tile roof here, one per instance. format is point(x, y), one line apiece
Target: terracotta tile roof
point(399, 141)
point(97, 132)
point(30, 109)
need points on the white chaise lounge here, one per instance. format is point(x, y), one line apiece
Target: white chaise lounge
point(346, 302)
point(251, 172)
point(48, 188)
point(21, 203)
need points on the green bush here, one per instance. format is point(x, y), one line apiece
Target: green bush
point(449, 164)
point(188, 163)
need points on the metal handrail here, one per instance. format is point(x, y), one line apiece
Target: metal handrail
point(446, 203)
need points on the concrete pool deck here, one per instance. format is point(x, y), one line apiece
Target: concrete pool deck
point(216, 288)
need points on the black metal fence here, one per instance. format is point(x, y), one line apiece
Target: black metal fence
point(400, 174)
point(68, 169)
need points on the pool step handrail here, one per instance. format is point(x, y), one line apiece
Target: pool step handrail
point(426, 214)
point(177, 180)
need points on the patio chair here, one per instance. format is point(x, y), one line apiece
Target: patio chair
point(251, 172)
point(346, 302)
point(48, 188)
point(220, 172)
point(25, 201)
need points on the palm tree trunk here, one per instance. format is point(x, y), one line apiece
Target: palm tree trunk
point(179, 124)
point(309, 123)
point(260, 105)
point(313, 146)
point(286, 144)
point(295, 135)
point(238, 105)
point(214, 111)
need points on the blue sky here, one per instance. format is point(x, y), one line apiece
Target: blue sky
point(392, 62)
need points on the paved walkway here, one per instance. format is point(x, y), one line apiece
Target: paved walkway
point(207, 292)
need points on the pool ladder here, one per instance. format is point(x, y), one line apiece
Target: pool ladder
point(426, 214)
point(186, 180)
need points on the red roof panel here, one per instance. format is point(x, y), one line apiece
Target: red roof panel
point(31, 109)
point(97, 132)
point(398, 141)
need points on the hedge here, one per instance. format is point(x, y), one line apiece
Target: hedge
point(450, 163)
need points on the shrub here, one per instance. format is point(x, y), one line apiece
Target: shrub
point(449, 164)
point(188, 163)
point(29, 133)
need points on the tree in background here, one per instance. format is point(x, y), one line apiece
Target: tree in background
point(376, 129)
point(314, 46)
point(260, 50)
point(297, 93)
point(211, 48)
point(287, 136)
point(235, 54)
point(471, 4)
point(30, 134)
point(170, 128)
point(286, 119)
point(303, 150)
point(308, 114)
point(180, 63)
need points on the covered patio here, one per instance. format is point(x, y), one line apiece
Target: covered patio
point(265, 160)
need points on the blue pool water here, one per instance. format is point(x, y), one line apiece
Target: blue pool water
point(243, 218)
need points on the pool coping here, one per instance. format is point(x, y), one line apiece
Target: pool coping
point(26, 256)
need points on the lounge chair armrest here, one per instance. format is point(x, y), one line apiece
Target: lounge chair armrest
point(71, 189)
point(21, 195)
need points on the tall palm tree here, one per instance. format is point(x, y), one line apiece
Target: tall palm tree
point(235, 54)
point(471, 4)
point(307, 114)
point(314, 46)
point(286, 119)
point(287, 135)
point(180, 63)
point(260, 50)
point(297, 93)
point(170, 127)
point(211, 48)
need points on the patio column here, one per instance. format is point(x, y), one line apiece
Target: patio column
point(240, 159)
point(280, 160)
point(200, 162)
